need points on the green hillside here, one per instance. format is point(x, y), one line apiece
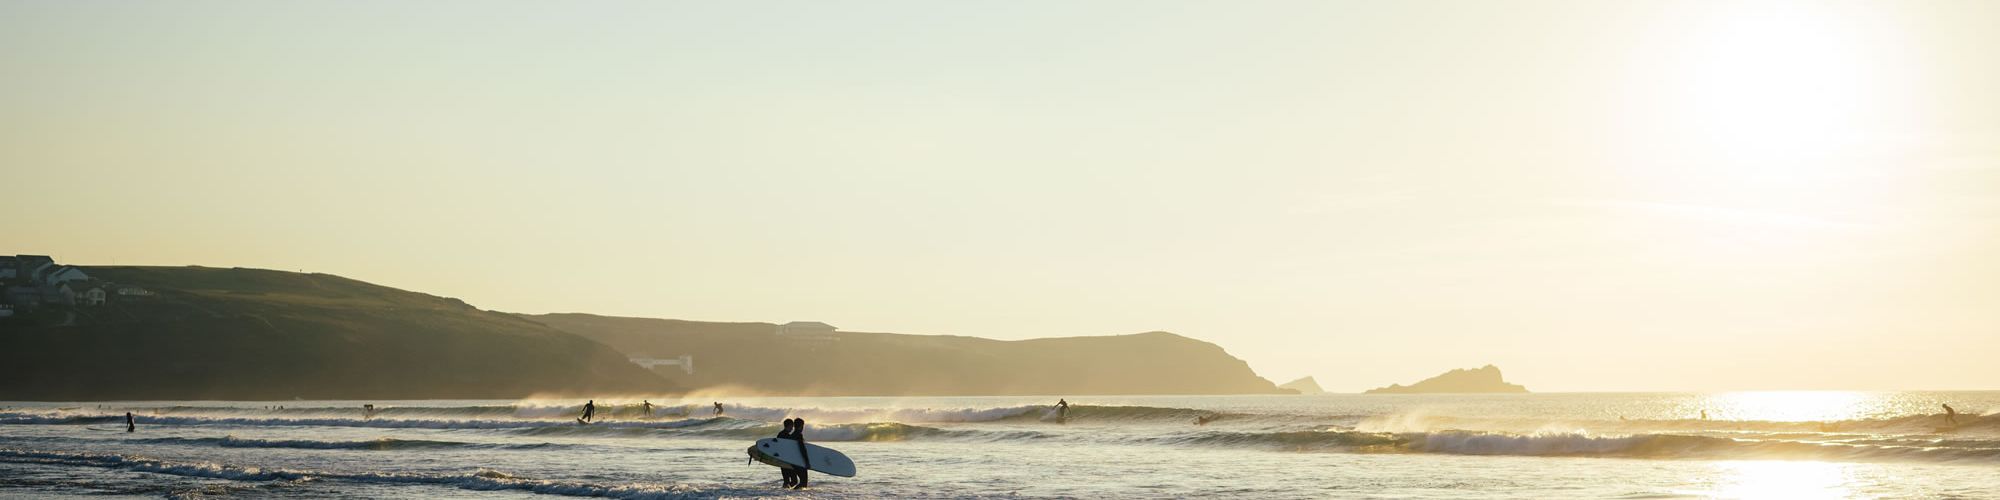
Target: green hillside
point(751, 356)
point(213, 333)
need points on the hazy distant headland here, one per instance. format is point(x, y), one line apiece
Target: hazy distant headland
point(810, 358)
point(210, 333)
point(214, 333)
point(1305, 385)
point(1485, 379)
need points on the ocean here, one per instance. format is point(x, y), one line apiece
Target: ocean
point(1751, 445)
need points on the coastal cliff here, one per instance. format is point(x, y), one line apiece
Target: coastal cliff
point(213, 333)
point(755, 358)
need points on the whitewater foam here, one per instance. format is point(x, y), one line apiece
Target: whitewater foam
point(479, 480)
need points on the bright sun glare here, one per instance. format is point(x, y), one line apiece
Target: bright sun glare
point(1790, 406)
point(1781, 479)
point(1770, 84)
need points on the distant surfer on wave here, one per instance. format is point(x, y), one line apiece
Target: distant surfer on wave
point(132, 425)
point(1062, 409)
point(648, 405)
point(1951, 416)
point(589, 411)
point(718, 408)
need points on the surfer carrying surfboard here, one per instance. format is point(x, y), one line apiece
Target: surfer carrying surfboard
point(791, 474)
point(799, 435)
point(794, 458)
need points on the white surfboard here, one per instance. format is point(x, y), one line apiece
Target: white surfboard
point(816, 458)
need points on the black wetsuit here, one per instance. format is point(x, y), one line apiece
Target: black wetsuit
point(791, 478)
point(130, 424)
point(799, 434)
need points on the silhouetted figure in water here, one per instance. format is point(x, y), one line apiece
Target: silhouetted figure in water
point(718, 408)
point(791, 477)
point(1204, 419)
point(648, 405)
point(799, 434)
point(1951, 416)
point(368, 411)
point(589, 411)
point(1062, 410)
point(131, 425)
point(1704, 414)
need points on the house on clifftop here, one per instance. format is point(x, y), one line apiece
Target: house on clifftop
point(37, 270)
point(806, 330)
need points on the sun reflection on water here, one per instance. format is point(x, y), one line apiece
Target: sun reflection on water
point(1783, 479)
point(1790, 406)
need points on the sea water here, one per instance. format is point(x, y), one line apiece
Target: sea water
point(1751, 445)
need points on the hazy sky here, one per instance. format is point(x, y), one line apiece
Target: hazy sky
point(1593, 195)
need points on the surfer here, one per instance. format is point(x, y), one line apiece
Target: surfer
point(791, 477)
point(589, 410)
point(1704, 414)
point(1203, 419)
point(131, 425)
point(368, 411)
point(1062, 410)
point(718, 408)
point(1951, 416)
point(648, 405)
point(799, 435)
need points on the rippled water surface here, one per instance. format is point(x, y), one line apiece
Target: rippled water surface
point(1751, 445)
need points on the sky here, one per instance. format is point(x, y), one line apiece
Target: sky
point(1594, 196)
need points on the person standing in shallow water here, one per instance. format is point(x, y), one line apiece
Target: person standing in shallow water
point(799, 434)
point(791, 478)
point(131, 424)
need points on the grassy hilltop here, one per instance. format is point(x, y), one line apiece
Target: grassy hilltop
point(750, 356)
point(213, 333)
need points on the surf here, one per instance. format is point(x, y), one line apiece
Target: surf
point(477, 480)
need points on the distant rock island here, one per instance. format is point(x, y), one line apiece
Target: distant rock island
point(1306, 386)
point(1485, 379)
point(810, 358)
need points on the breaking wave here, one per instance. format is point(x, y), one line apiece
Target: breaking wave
point(382, 444)
point(479, 480)
point(1911, 424)
point(1652, 446)
point(621, 413)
